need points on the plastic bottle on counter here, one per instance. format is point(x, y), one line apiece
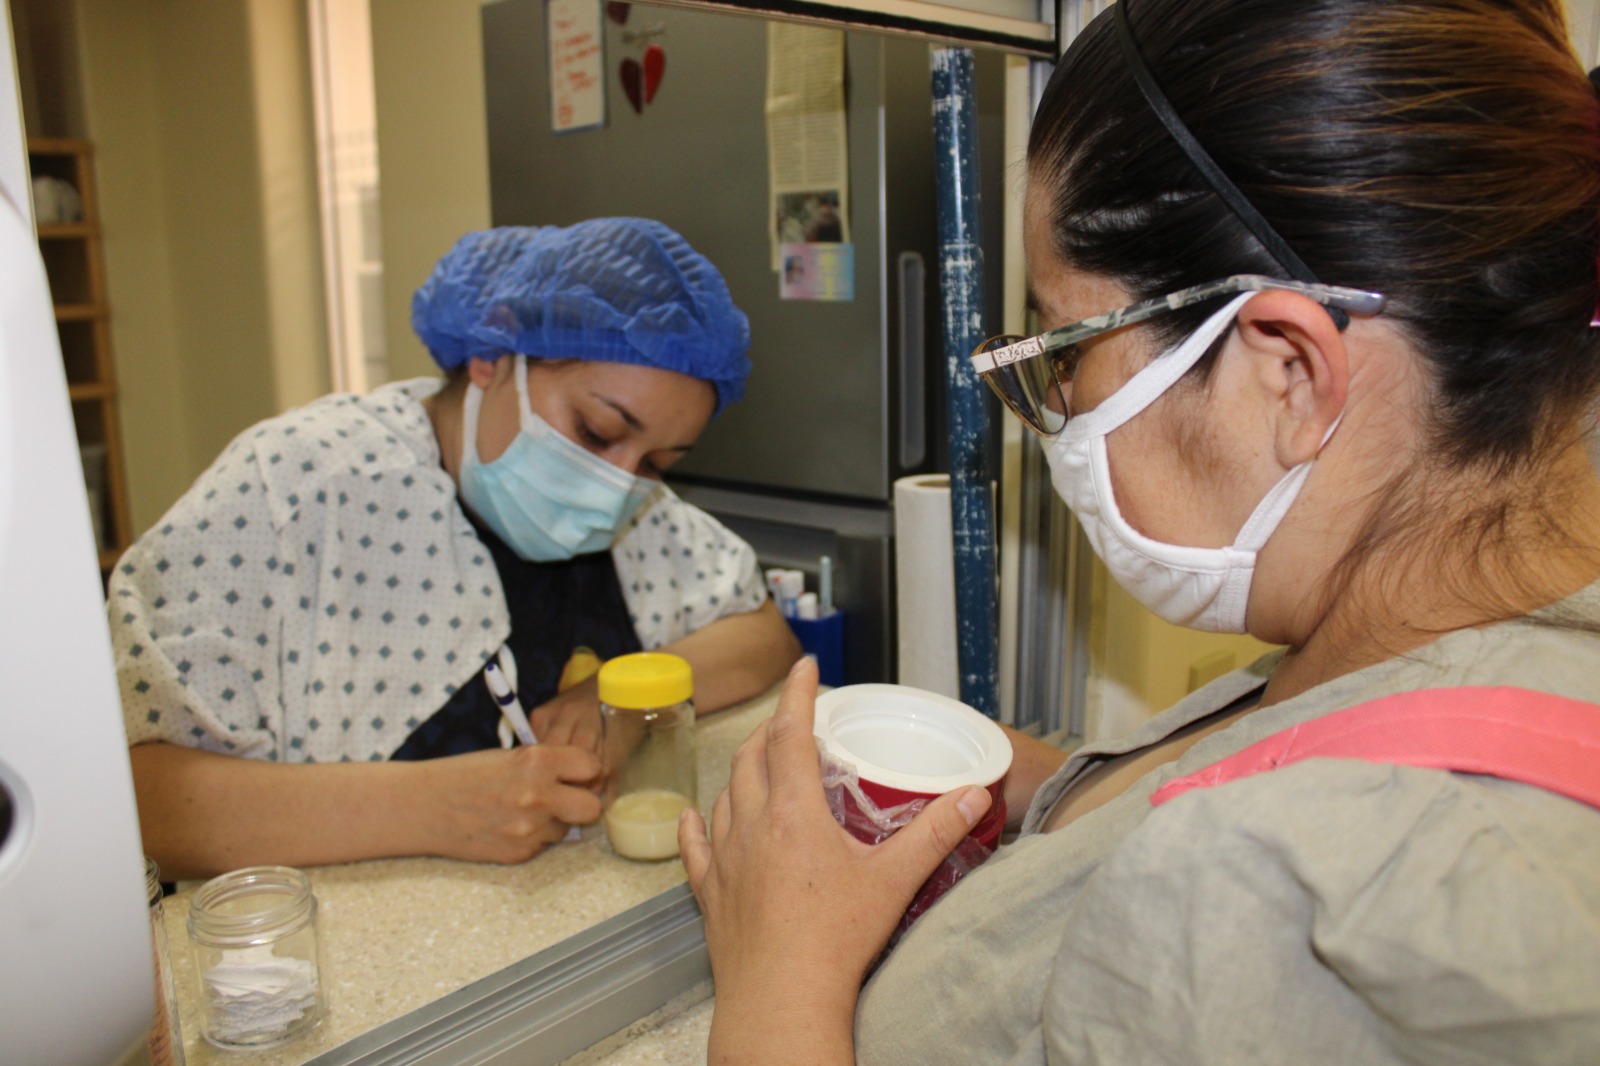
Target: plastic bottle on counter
point(648, 720)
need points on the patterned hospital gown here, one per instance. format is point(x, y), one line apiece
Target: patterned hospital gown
point(319, 593)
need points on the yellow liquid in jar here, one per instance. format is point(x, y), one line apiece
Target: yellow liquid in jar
point(644, 824)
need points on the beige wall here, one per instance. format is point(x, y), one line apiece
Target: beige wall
point(201, 116)
point(433, 156)
point(1140, 665)
point(119, 78)
point(202, 131)
point(1583, 23)
point(289, 215)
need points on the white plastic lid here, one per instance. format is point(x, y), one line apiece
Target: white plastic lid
point(912, 740)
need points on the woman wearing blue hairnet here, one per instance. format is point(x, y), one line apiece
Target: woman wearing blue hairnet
point(302, 641)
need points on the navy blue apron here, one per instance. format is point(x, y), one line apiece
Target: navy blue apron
point(555, 607)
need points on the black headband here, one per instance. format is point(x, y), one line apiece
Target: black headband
point(1236, 200)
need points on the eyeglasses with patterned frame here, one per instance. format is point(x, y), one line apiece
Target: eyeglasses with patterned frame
point(1028, 373)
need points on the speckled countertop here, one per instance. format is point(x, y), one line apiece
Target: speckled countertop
point(399, 933)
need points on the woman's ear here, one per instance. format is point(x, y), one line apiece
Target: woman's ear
point(1298, 359)
point(482, 372)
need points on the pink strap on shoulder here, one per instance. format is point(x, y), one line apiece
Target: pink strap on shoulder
point(1512, 733)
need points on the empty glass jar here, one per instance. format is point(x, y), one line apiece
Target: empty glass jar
point(257, 958)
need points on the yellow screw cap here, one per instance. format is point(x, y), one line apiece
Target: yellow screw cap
point(645, 679)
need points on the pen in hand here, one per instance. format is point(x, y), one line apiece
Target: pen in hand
point(511, 708)
point(507, 701)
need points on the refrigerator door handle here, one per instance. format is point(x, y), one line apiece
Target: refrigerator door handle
point(913, 361)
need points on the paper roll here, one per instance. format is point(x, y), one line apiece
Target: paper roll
point(926, 585)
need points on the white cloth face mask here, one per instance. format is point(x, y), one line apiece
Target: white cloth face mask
point(1202, 588)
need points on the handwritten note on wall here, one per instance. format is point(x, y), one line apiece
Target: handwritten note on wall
point(577, 65)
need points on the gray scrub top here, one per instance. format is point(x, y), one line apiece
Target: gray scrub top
point(1330, 911)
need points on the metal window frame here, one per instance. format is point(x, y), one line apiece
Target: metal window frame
point(934, 22)
point(556, 1003)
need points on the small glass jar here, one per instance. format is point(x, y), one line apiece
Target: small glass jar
point(256, 955)
point(166, 1036)
point(648, 720)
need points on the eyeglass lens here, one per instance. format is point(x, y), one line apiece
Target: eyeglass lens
point(1030, 387)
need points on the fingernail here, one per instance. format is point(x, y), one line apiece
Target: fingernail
point(970, 806)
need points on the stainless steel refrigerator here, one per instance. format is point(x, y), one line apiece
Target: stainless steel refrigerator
point(845, 396)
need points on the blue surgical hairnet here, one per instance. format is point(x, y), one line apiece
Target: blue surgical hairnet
point(624, 290)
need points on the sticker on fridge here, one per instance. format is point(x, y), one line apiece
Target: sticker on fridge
point(811, 271)
point(577, 67)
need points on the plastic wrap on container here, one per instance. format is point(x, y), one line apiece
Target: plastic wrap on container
point(867, 822)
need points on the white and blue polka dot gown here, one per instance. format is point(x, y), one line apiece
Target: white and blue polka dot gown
point(318, 593)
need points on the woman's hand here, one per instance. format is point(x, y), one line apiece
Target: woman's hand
point(796, 909)
point(506, 806)
point(571, 717)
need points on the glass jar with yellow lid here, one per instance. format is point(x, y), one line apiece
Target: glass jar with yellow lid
point(648, 716)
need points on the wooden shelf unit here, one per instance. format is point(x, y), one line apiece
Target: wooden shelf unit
point(75, 263)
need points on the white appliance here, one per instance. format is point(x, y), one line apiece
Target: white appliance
point(76, 976)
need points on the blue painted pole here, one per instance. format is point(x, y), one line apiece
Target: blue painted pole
point(955, 124)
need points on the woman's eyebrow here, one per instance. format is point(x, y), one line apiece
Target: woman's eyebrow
point(634, 423)
point(627, 415)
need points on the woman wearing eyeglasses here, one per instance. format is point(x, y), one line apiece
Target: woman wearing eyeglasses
point(1318, 281)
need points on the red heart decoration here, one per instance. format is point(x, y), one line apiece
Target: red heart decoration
point(632, 83)
point(655, 65)
point(618, 13)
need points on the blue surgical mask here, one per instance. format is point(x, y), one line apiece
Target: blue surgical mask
point(546, 497)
